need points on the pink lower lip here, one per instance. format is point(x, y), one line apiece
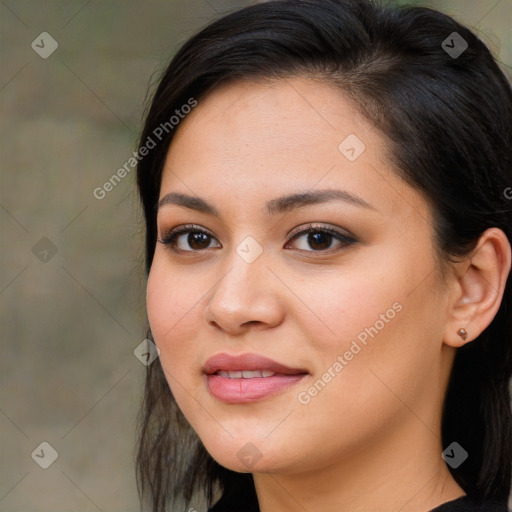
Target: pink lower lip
point(241, 391)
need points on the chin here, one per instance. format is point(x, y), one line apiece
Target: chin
point(248, 463)
point(246, 456)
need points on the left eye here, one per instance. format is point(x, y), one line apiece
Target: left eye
point(320, 239)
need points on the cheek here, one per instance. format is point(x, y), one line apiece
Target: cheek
point(173, 314)
point(349, 306)
point(171, 304)
point(381, 313)
point(159, 295)
point(388, 326)
point(381, 342)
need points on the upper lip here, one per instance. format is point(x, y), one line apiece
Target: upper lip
point(248, 362)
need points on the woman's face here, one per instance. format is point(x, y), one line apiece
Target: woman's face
point(351, 315)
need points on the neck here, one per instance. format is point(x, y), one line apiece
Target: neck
point(399, 471)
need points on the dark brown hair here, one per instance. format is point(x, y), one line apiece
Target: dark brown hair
point(449, 122)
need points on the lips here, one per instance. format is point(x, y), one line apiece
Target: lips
point(248, 363)
point(248, 377)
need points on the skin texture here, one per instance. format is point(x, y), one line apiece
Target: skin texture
point(369, 440)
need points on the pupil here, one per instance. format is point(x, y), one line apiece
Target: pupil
point(198, 240)
point(319, 240)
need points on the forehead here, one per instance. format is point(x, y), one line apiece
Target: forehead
point(261, 139)
point(285, 113)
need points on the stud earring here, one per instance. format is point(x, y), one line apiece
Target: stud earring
point(462, 333)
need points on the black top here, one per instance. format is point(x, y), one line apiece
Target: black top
point(462, 504)
point(466, 504)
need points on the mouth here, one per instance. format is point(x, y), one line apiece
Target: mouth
point(248, 377)
point(245, 374)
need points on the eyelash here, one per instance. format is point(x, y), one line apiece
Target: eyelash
point(169, 239)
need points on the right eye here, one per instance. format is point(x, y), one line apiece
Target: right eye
point(197, 239)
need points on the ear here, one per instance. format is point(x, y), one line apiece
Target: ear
point(479, 287)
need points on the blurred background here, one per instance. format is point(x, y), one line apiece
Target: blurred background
point(74, 77)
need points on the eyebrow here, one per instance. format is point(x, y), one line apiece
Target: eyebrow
point(274, 206)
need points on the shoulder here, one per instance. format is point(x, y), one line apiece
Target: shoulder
point(463, 504)
point(231, 501)
point(466, 504)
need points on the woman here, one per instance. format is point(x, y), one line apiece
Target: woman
point(326, 189)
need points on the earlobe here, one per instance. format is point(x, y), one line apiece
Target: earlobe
point(480, 288)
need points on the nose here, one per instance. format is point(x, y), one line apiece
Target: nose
point(247, 295)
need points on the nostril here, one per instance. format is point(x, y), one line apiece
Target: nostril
point(251, 322)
